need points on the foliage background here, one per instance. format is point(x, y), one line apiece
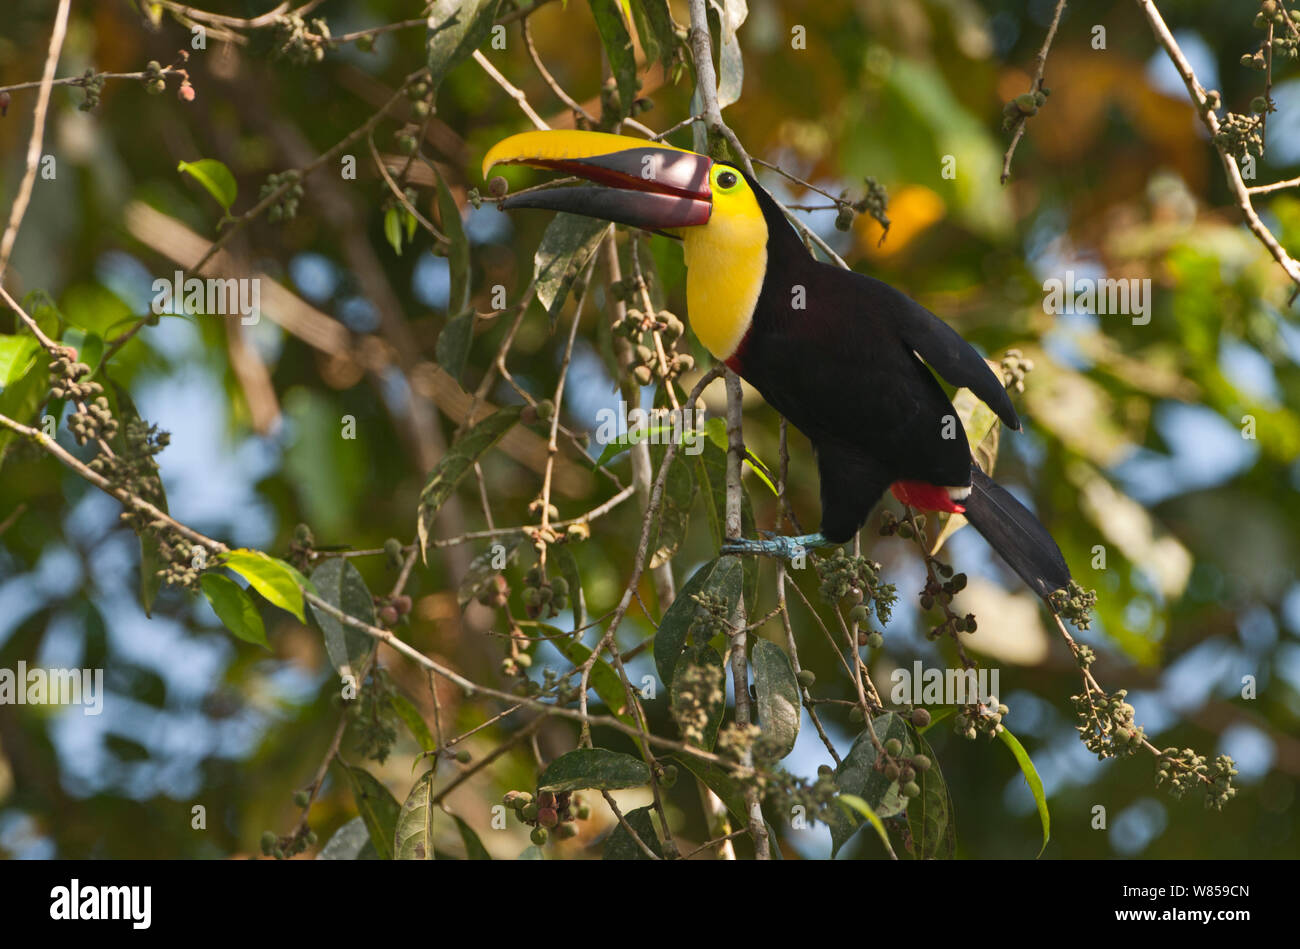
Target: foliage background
point(1133, 436)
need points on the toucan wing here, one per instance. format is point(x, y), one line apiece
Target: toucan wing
point(941, 347)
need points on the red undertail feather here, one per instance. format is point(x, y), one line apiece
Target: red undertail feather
point(928, 497)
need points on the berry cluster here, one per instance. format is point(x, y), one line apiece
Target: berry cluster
point(418, 93)
point(92, 84)
point(1023, 106)
point(548, 812)
point(183, 561)
point(286, 207)
point(301, 42)
point(1106, 723)
point(154, 81)
point(698, 690)
point(785, 792)
point(874, 202)
point(712, 617)
point(1075, 604)
point(289, 845)
point(640, 329)
point(1240, 135)
point(858, 578)
point(904, 770)
point(1286, 38)
point(1184, 770)
point(1014, 369)
point(390, 610)
point(941, 589)
point(543, 596)
point(65, 383)
point(980, 718)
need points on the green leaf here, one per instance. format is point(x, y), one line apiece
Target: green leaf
point(234, 607)
point(272, 578)
point(40, 306)
point(452, 350)
point(17, 357)
point(456, 28)
point(89, 346)
point(393, 230)
point(722, 577)
point(936, 717)
point(857, 775)
point(340, 585)
point(779, 705)
point(929, 817)
point(605, 680)
point(621, 846)
point(413, 836)
point(350, 842)
point(215, 178)
point(702, 656)
point(596, 768)
point(567, 564)
point(1033, 780)
point(458, 252)
point(731, 68)
point(718, 781)
point(654, 27)
point(612, 27)
point(853, 803)
point(411, 718)
point(458, 461)
point(567, 246)
point(474, 849)
point(377, 807)
point(20, 400)
point(674, 510)
point(716, 429)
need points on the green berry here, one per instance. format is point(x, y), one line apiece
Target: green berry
point(463, 756)
point(807, 678)
point(539, 836)
point(911, 789)
point(893, 747)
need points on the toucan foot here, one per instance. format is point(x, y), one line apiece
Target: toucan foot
point(786, 548)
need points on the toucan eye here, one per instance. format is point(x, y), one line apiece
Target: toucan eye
point(727, 180)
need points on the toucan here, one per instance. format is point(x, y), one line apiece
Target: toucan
point(845, 358)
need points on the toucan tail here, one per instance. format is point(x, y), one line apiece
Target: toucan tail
point(1016, 535)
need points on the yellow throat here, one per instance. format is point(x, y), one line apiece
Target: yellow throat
point(726, 260)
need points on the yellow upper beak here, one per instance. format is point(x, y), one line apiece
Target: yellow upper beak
point(562, 145)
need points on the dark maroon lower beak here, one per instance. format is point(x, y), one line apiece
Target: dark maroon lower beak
point(651, 188)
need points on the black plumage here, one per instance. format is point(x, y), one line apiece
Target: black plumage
point(846, 369)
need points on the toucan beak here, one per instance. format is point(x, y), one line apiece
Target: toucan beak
point(644, 184)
